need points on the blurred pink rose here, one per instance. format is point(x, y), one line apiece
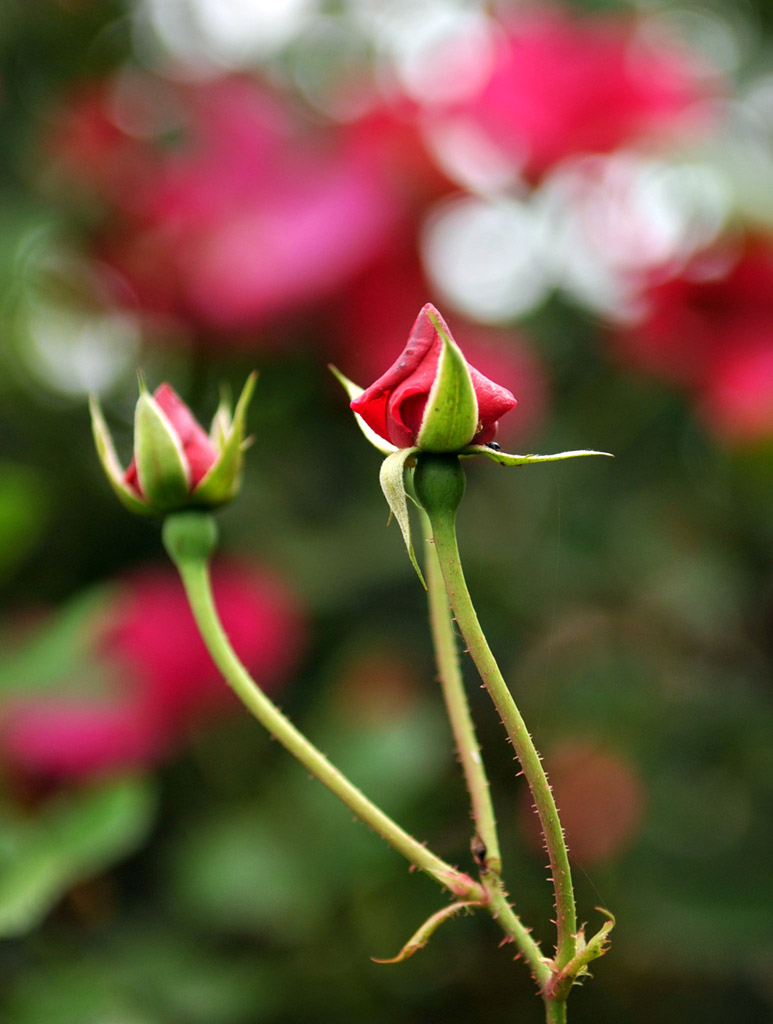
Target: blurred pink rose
point(563, 84)
point(710, 330)
point(164, 680)
point(225, 204)
point(737, 403)
point(601, 800)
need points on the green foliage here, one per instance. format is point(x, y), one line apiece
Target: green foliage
point(56, 654)
point(24, 501)
point(67, 840)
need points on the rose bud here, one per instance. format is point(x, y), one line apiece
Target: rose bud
point(431, 398)
point(176, 464)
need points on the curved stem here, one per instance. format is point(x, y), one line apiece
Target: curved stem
point(444, 535)
point(452, 686)
point(194, 571)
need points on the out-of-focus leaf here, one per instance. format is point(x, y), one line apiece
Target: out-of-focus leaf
point(278, 865)
point(55, 651)
point(24, 501)
point(248, 871)
point(144, 974)
point(74, 836)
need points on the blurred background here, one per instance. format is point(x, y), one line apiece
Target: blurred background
point(198, 188)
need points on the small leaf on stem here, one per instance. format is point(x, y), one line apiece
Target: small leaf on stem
point(422, 936)
point(506, 459)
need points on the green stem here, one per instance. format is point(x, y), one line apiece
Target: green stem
point(440, 487)
point(455, 697)
point(555, 1011)
point(513, 927)
point(190, 538)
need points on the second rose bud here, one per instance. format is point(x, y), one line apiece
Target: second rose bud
point(176, 464)
point(431, 398)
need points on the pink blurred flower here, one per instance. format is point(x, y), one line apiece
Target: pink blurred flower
point(710, 330)
point(226, 206)
point(738, 402)
point(164, 680)
point(563, 84)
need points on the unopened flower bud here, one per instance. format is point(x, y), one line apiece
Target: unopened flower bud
point(176, 464)
point(431, 398)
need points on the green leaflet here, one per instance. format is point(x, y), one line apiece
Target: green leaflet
point(577, 968)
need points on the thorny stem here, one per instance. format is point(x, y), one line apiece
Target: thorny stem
point(514, 929)
point(452, 686)
point(555, 1010)
point(439, 490)
point(190, 538)
point(566, 924)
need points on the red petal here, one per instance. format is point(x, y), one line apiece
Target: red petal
point(394, 405)
point(493, 402)
point(377, 403)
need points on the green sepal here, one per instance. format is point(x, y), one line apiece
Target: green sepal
point(110, 464)
point(220, 428)
point(598, 945)
point(505, 459)
point(354, 391)
point(450, 417)
point(162, 469)
point(392, 479)
point(224, 477)
point(425, 932)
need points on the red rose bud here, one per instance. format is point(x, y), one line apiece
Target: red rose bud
point(176, 464)
point(431, 398)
